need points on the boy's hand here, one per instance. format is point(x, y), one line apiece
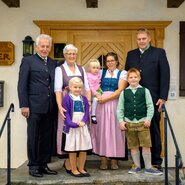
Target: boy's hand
point(147, 123)
point(123, 125)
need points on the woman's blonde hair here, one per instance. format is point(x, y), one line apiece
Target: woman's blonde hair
point(92, 63)
point(75, 81)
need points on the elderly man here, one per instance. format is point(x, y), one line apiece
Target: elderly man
point(37, 103)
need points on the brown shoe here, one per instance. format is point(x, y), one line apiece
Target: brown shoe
point(103, 165)
point(114, 164)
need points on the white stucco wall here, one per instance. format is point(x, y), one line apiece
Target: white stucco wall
point(16, 23)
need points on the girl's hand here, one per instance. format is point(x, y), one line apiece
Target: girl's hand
point(81, 124)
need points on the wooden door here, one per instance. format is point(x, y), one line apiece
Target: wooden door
point(96, 43)
point(93, 44)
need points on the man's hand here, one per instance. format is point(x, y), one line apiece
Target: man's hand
point(25, 111)
point(160, 103)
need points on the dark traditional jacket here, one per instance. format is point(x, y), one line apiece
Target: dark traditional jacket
point(154, 68)
point(36, 84)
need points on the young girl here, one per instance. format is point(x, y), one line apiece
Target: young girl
point(77, 137)
point(94, 80)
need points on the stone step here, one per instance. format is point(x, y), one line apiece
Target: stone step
point(98, 177)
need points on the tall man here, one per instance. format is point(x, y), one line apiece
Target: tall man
point(155, 75)
point(37, 103)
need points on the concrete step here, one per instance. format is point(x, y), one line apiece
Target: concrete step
point(98, 177)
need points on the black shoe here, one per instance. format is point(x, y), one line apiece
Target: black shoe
point(47, 171)
point(159, 167)
point(35, 173)
point(93, 121)
point(77, 175)
point(85, 174)
point(67, 171)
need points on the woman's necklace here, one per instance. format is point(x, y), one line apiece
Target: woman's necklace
point(111, 72)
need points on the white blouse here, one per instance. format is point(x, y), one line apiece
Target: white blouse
point(59, 77)
point(123, 74)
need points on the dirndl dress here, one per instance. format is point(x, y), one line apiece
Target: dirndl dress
point(78, 139)
point(107, 138)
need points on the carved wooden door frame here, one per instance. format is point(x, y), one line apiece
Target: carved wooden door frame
point(158, 27)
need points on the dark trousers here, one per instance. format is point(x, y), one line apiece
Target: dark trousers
point(156, 138)
point(39, 139)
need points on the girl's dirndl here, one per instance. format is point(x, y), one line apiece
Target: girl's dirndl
point(78, 139)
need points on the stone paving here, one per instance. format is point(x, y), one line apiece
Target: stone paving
point(106, 177)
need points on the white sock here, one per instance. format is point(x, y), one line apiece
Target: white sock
point(147, 160)
point(136, 158)
point(93, 118)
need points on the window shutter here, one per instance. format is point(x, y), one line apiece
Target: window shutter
point(182, 59)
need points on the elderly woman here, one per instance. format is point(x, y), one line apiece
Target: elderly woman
point(107, 138)
point(63, 74)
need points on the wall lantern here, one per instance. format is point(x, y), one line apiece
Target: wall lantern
point(28, 44)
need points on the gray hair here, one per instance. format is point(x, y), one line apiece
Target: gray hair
point(70, 47)
point(43, 36)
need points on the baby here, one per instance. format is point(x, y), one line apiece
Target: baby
point(94, 80)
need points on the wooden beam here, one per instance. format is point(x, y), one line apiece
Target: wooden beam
point(174, 3)
point(12, 3)
point(92, 3)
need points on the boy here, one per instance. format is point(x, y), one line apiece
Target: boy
point(134, 112)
